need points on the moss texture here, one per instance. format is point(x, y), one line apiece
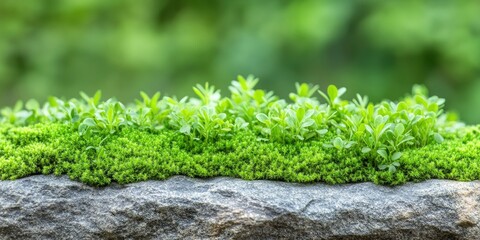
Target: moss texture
point(132, 155)
point(314, 136)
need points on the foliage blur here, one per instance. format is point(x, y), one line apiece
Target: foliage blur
point(377, 48)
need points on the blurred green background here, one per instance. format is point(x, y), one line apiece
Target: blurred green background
point(377, 48)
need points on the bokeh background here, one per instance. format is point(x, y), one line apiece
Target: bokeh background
point(378, 48)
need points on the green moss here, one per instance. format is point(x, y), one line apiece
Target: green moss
point(252, 134)
point(132, 155)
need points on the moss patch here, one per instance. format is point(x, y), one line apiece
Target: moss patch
point(132, 155)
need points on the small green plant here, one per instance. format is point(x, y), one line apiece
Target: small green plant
point(108, 118)
point(380, 134)
point(16, 115)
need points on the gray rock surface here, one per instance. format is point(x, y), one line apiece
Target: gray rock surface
point(48, 207)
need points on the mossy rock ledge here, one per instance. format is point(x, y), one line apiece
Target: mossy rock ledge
point(49, 207)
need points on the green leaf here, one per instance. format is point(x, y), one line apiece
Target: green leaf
point(185, 129)
point(438, 138)
point(369, 129)
point(243, 82)
point(341, 91)
point(199, 93)
point(402, 106)
point(32, 104)
point(267, 131)
point(240, 122)
point(349, 144)
point(258, 95)
point(18, 106)
point(324, 95)
point(327, 145)
point(155, 99)
point(383, 153)
point(366, 149)
point(85, 97)
point(290, 121)
point(82, 128)
point(418, 89)
point(309, 113)
point(308, 123)
point(396, 156)
point(302, 90)
point(222, 116)
point(262, 117)
point(337, 143)
point(322, 131)
point(332, 92)
point(433, 107)
point(53, 101)
point(85, 125)
point(110, 114)
point(97, 97)
point(399, 129)
point(421, 100)
point(145, 97)
point(91, 148)
point(89, 122)
point(293, 96)
point(300, 114)
point(379, 120)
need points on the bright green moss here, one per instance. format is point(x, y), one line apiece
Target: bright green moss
point(251, 134)
point(132, 155)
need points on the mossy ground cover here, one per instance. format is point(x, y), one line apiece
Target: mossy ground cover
point(251, 135)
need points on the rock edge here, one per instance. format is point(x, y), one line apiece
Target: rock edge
point(49, 207)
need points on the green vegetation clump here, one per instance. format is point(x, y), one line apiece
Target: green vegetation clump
point(379, 48)
point(252, 134)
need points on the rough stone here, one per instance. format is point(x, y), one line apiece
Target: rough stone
point(48, 207)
